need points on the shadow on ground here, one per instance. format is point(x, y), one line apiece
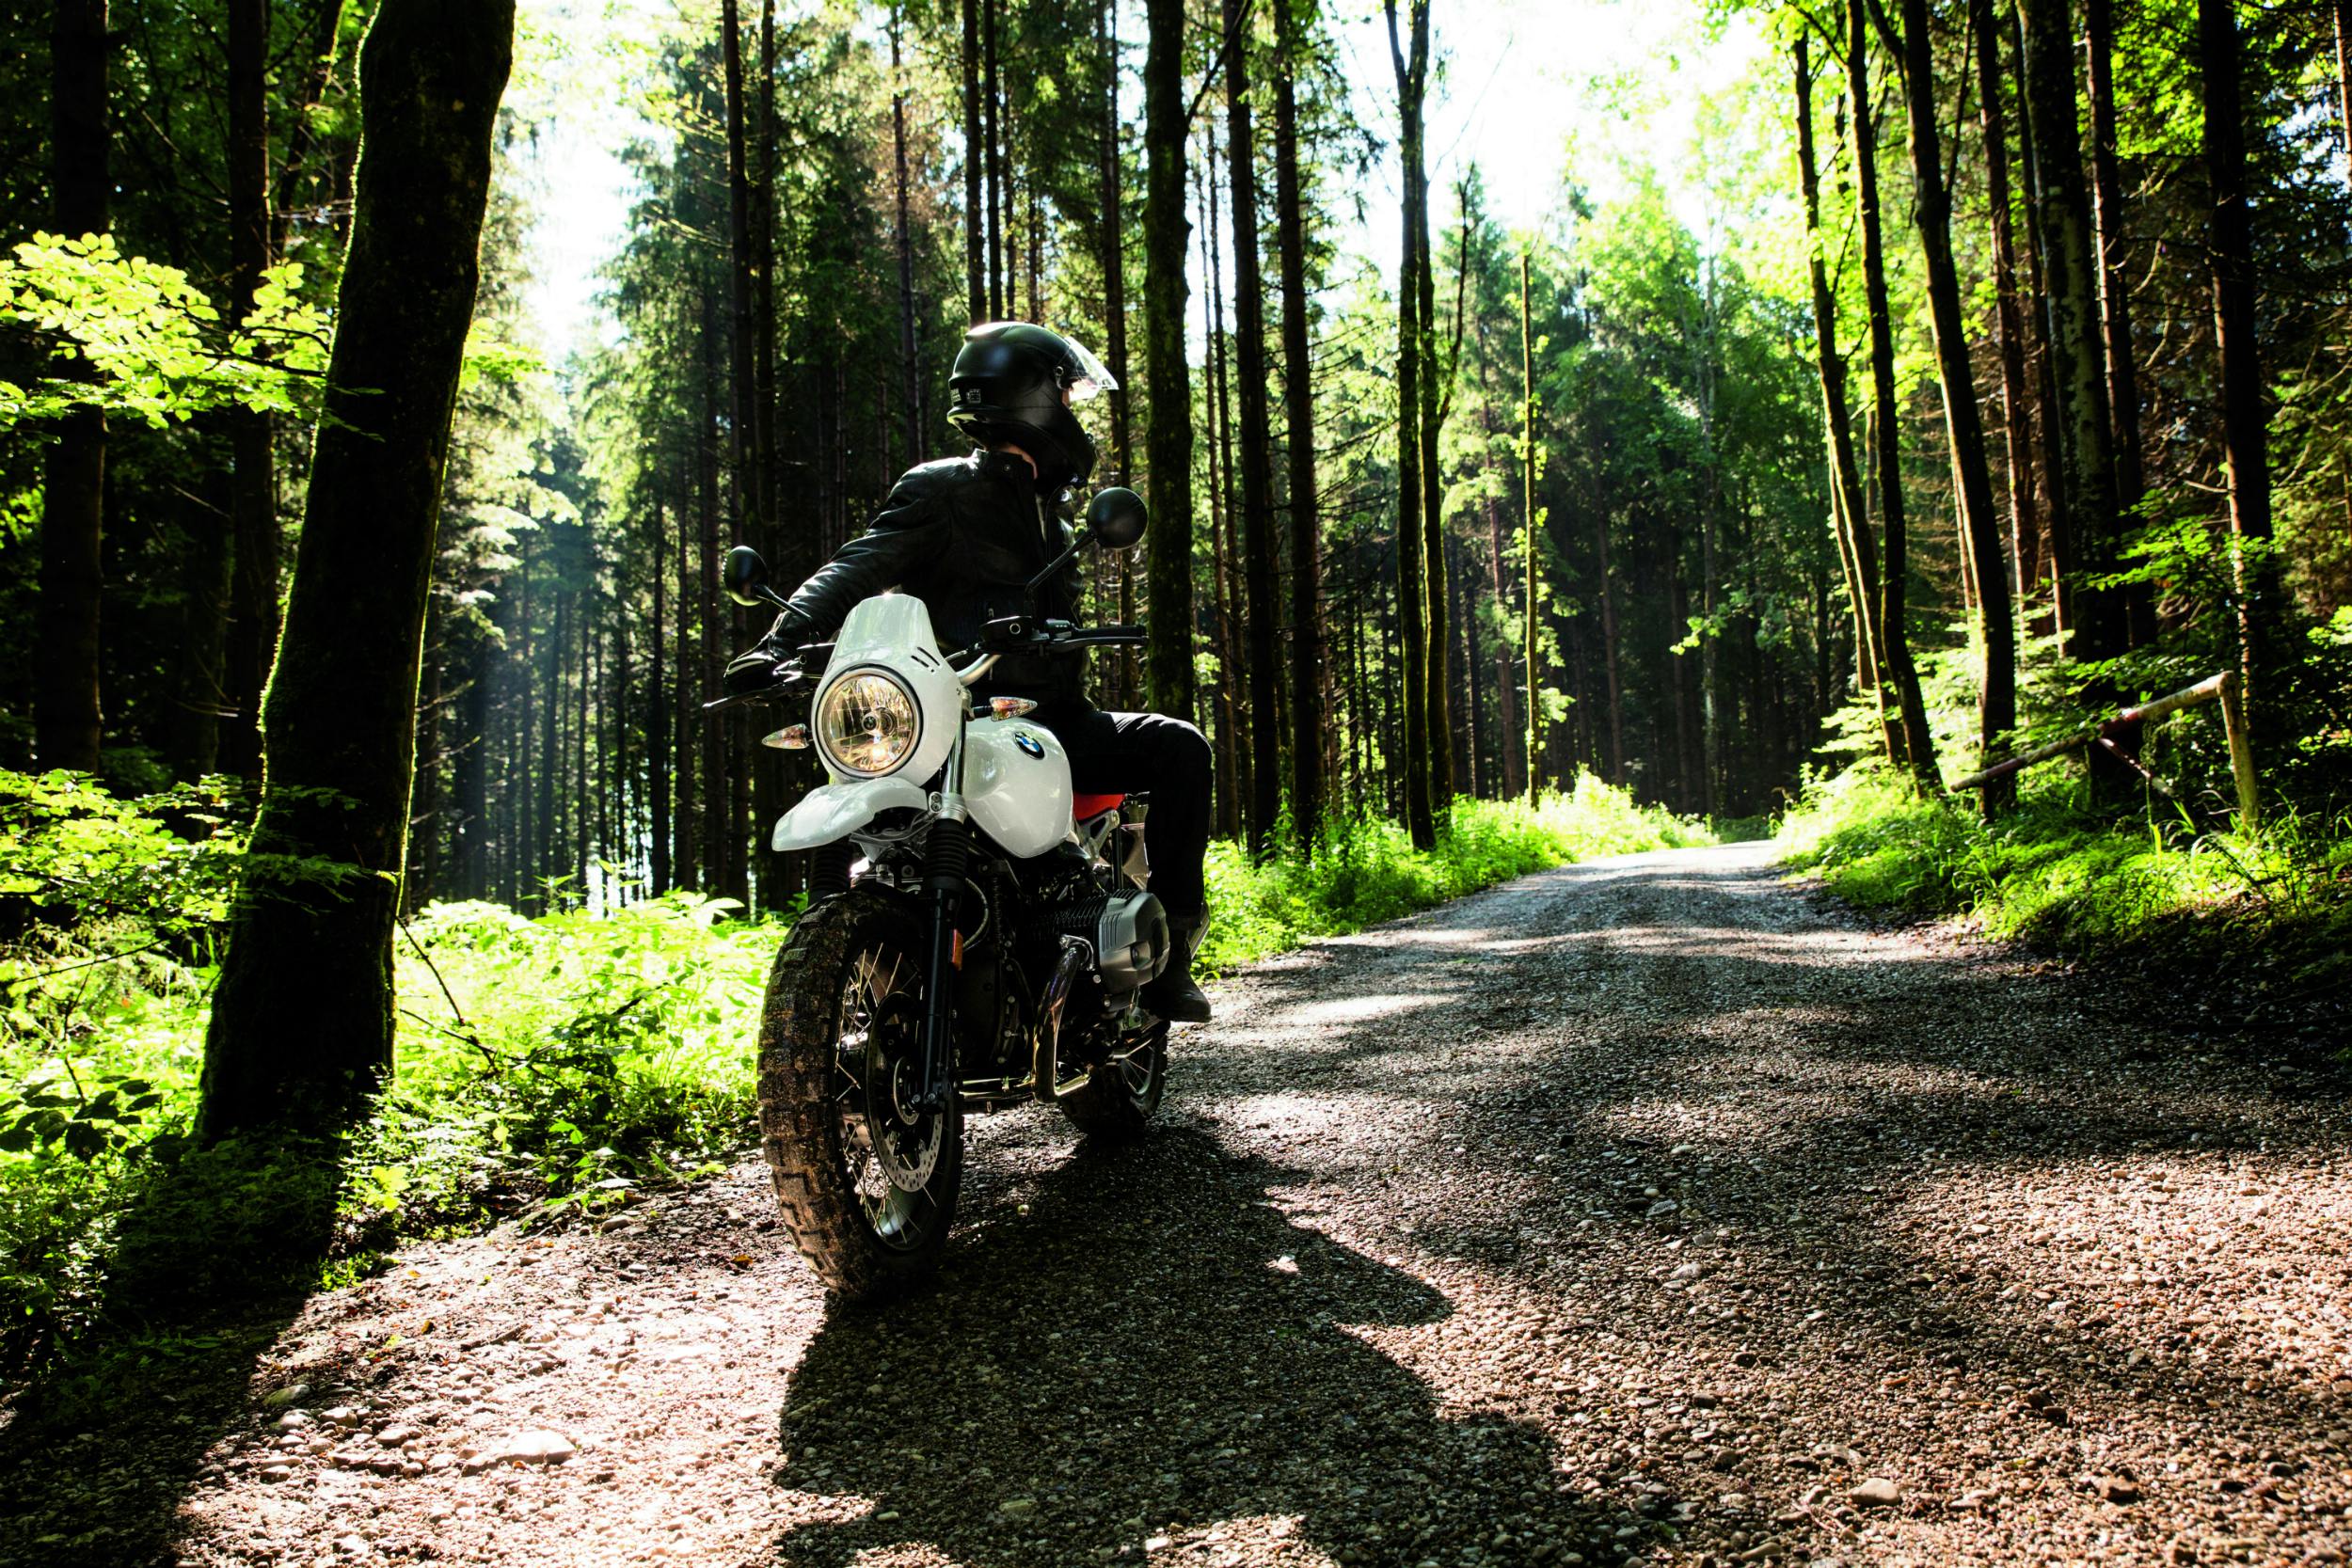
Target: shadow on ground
point(208, 1267)
point(1151, 1350)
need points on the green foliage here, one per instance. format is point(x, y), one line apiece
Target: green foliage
point(138, 338)
point(1367, 870)
point(76, 853)
point(2061, 874)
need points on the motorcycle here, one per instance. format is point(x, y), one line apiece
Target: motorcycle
point(978, 937)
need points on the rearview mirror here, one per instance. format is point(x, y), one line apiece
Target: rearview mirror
point(745, 575)
point(1116, 518)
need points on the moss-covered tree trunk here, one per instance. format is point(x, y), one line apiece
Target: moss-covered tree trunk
point(302, 1022)
point(1167, 439)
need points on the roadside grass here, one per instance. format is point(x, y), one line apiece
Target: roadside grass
point(1369, 871)
point(2261, 924)
point(561, 1064)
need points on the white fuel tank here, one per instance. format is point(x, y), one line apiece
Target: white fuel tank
point(1016, 785)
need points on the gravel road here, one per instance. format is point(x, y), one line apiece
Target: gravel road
point(1646, 1209)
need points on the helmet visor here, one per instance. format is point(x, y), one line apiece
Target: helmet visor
point(1089, 375)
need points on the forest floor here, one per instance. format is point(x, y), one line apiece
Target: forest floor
point(1649, 1207)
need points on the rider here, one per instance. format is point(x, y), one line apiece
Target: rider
point(965, 535)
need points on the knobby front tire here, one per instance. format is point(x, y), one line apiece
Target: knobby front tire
point(841, 1019)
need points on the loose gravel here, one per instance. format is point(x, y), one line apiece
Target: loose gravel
point(1643, 1210)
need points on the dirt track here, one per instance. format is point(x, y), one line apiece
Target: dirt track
point(1643, 1208)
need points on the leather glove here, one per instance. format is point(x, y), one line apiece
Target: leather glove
point(756, 667)
point(751, 671)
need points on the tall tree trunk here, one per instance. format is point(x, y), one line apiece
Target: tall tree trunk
point(1996, 697)
point(1226, 594)
point(301, 1025)
point(2245, 425)
point(1412, 76)
point(1918, 745)
point(2054, 550)
point(778, 878)
point(65, 681)
point(1257, 477)
point(658, 706)
point(1849, 514)
point(910, 407)
point(327, 27)
point(1113, 235)
point(2024, 522)
point(1167, 449)
point(2136, 602)
point(686, 852)
point(1000, 210)
point(742, 330)
point(1510, 740)
point(1307, 717)
point(1465, 607)
point(253, 543)
point(1436, 396)
point(707, 614)
point(1534, 751)
point(2085, 487)
point(975, 162)
point(2114, 282)
point(1609, 647)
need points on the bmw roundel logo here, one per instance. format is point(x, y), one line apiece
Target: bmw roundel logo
point(1028, 743)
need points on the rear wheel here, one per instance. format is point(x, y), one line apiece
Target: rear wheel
point(1117, 1099)
point(866, 1181)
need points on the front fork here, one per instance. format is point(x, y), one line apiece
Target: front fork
point(946, 854)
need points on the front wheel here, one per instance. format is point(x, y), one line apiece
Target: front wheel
point(866, 1180)
point(1117, 1099)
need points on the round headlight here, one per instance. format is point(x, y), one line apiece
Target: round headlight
point(868, 723)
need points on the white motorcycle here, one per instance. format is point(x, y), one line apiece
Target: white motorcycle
point(991, 946)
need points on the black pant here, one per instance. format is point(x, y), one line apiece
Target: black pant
point(1117, 753)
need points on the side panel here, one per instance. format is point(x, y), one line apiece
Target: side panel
point(832, 811)
point(1016, 785)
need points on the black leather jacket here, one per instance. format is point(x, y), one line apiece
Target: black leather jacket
point(964, 536)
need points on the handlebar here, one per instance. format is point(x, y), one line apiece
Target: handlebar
point(1027, 634)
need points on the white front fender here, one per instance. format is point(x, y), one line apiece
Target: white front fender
point(832, 811)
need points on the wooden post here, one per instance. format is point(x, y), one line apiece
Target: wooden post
point(2241, 752)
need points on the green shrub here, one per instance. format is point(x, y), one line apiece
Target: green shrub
point(2055, 871)
point(1368, 871)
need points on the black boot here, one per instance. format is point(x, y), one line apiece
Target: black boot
point(1176, 996)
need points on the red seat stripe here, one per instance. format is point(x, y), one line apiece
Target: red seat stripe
point(1084, 807)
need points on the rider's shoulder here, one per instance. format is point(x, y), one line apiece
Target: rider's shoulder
point(927, 481)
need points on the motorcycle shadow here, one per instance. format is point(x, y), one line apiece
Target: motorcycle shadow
point(1151, 1354)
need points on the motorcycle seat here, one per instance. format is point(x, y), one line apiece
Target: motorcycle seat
point(1084, 808)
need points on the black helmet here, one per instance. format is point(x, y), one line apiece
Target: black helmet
point(1007, 386)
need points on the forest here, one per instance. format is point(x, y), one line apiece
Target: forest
point(1976, 374)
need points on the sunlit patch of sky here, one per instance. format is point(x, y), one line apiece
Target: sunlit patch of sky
point(1536, 93)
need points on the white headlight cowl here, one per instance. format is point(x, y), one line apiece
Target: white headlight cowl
point(868, 723)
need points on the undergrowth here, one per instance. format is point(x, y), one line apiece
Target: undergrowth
point(2154, 890)
point(1369, 871)
point(557, 1064)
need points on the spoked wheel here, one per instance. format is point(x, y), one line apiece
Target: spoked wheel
point(865, 1177)
point(1117, 1099)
